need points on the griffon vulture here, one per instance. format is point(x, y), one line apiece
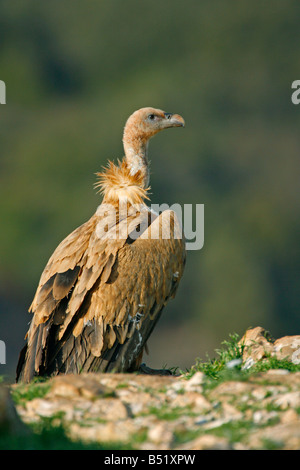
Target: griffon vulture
point(106, 284)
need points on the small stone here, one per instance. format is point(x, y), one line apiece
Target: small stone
point(234, 363)
point(259, 393)
point(230, 387)
point(215, 423)
point(161, 433)
point(41, 407)
point(111, 409)
point(194, 384)
point(289, 416)
point(288, 348)
point(249, 362)
point(64, 389)
point(231, 413)
point(263, 416)
point(277, 372)
point(83, 385)
point(197, 379)
point(256, 343)
point(239, 446)
point(176, 387)
point(207, 442)
point(291, 399)
point(283, 436)
point(200, 420)
point(197, 402)
point(139, 402)
point(103, 432)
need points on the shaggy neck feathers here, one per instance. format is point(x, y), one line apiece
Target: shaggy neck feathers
point(129, 181)
point(119, 185)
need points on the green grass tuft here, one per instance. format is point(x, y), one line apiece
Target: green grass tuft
point(213, 368)
point(36, 389)
point(217, 368)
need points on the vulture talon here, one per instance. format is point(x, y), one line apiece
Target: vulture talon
point(147, 370)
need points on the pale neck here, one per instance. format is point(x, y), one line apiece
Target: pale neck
point(136, 154)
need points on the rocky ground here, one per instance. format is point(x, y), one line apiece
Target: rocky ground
point(238, 409)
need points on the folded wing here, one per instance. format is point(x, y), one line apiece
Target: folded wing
point(102, 293)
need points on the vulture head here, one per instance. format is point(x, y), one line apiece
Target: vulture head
point(139, 128)
point(146, 122)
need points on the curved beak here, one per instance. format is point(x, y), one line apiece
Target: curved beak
point(174, 120)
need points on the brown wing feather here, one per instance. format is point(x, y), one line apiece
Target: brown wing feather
point(99, 298)
point(145, 275)
point(65, 258)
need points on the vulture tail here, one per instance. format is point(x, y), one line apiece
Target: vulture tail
point(26, 368)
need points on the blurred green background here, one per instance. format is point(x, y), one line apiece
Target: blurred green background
point(74, 71)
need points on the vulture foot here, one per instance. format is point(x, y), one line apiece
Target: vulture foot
point(143, 369)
